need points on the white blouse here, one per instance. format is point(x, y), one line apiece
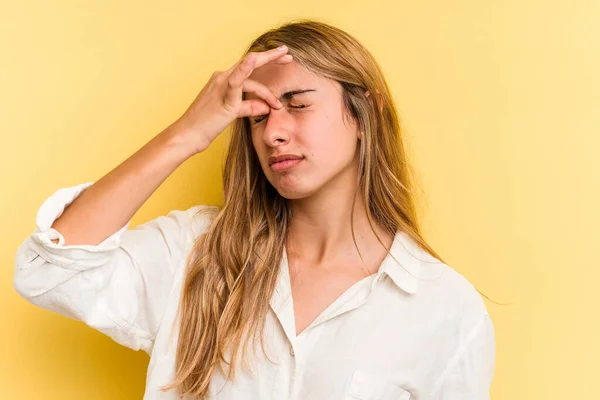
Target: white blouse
point(388, 337)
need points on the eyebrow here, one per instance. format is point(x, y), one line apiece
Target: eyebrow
point(288, 95)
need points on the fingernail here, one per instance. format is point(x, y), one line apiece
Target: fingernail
point(283, 47)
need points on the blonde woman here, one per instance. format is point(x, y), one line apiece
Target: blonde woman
point(312, 281)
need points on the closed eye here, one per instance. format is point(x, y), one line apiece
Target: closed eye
point(261, 117)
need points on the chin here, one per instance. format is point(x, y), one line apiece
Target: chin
point(292, 196)
point(292, 188)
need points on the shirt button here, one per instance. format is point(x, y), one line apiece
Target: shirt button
point(292, 351)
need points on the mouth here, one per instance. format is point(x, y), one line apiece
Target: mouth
point(285, 165)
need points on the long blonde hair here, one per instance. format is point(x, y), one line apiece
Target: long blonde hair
point(233, 268)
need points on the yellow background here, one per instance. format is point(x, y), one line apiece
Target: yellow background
point(500, 101)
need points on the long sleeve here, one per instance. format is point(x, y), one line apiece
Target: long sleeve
point(119, 287)
point(469, 374)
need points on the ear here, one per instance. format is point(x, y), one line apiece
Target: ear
point(379, 99)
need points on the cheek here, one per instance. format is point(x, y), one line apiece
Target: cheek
point(321, 133)
point(331, 143)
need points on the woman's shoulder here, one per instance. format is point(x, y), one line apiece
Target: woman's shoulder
point(445, 286)
point(187, 225)
point(200, 217)
point(449, 290)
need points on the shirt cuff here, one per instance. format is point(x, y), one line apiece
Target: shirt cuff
point(51, 209)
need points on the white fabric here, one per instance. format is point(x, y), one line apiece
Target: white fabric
point(389, 336)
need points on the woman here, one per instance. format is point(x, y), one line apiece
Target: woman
point(312, 281)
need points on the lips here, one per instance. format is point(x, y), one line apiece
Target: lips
point(285, 165)
point(283, 157)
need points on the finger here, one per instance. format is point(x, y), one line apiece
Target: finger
point(272, 55)
point(250, 85)
point(253, 107)
point(264, 57)
point(244, 68)
point(286, 59)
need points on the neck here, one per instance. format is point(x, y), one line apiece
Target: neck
point(320, 232)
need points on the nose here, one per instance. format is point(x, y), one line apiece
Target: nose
point(277, 127)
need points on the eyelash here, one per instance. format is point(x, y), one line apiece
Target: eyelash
point(257, 120)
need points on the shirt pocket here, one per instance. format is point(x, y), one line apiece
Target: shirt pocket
point(370, 386)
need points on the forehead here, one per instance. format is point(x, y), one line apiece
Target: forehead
point(281, 78)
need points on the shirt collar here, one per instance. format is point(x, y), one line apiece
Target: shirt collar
point(405, 271)
point(404, 249)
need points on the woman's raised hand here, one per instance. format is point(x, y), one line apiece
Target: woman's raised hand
point(220, 101)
